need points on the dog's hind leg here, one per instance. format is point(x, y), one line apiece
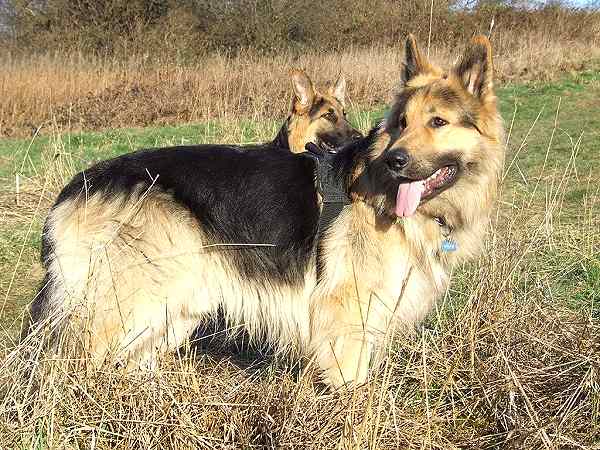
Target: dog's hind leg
point(133, 281)
point(140, 327)
point(143, 348)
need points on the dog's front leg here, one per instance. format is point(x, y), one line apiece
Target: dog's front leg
point(345, 360)
point(344, 340)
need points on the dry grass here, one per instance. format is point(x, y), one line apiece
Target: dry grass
point(509, 359)
point(507, 367)
point(77, 92)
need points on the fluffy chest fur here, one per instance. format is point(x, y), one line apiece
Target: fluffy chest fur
point(393, 267)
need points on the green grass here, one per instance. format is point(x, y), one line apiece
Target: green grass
point(89, 147)
point(24, 155)
point(572, 104)
point(583, 285)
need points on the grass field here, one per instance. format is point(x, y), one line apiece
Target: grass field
point(509, 359)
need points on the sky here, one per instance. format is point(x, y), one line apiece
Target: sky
point(584, 2)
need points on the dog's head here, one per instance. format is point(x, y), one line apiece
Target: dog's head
point(318, 118)
point(441, 140)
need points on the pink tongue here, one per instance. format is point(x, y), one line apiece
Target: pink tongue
point(408, 198)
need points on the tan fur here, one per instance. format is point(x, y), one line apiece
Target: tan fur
point(123, 272)
point(137, 274)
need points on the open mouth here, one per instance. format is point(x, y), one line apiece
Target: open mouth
point(411, 194)
point(440, 179)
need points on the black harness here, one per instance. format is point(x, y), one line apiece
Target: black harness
point(333, 192)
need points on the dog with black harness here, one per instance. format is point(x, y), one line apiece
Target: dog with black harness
point(321, 254)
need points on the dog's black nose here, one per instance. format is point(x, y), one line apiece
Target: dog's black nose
point(397, 160)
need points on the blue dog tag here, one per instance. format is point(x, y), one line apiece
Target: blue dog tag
point(449, 246)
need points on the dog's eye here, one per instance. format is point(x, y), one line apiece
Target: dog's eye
point(330, 116)
point(437, 122)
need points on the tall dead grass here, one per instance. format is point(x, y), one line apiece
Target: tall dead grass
point(81, 92)
point(510, 358)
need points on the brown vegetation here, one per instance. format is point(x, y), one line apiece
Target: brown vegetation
point(191, 28)
point(78, 92)
point(166, 70)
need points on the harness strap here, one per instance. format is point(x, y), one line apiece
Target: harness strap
point(333, 193)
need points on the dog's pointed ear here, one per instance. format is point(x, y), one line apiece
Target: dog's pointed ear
point(303, 89)
point(338, 90)
point(414, 61)
point(475, 70)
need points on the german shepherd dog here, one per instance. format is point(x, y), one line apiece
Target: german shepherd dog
point(315, 117)
point(139, 249)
